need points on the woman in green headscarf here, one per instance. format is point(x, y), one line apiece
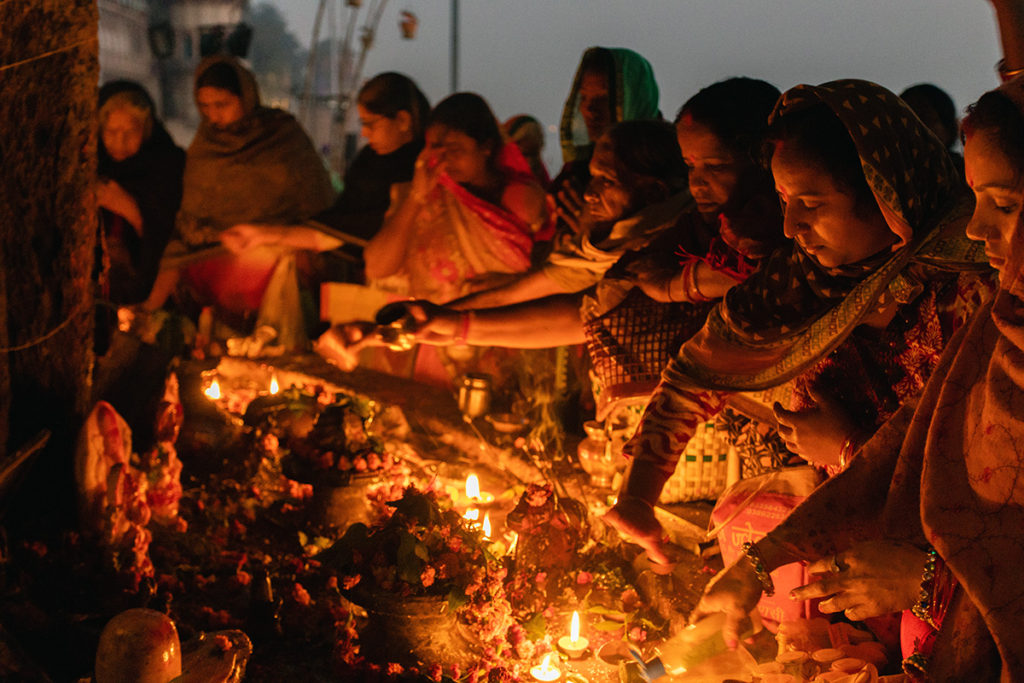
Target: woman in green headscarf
point(612, 84)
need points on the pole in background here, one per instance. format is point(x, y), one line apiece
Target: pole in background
point(455, 46)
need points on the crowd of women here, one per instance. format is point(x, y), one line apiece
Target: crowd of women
point(872, 327)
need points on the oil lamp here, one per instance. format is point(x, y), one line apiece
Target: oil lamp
point(545, 671)
point(573, 644)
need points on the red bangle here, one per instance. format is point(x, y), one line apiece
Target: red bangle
point(463, 332)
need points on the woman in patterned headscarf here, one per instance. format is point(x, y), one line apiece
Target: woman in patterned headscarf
point(929, 518)
point(841, 328)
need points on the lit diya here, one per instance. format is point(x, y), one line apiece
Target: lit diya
point(546, 671)
point(573, 644)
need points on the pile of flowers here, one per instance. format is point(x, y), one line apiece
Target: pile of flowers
point(424, 548)
point(317, 439)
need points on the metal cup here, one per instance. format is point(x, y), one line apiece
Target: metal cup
point(475, 394)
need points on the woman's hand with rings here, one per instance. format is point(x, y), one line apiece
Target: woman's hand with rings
point(867, 580)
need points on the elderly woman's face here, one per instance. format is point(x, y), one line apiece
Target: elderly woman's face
point(122, 134)
point(607, 198)
point(821, 215)
point(999, 194)
point(713, 169)
point(219, 107)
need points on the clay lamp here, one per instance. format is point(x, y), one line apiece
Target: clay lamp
point(574, 645)
point(546, 671)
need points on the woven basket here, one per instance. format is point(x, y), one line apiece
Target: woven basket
point(703, 470)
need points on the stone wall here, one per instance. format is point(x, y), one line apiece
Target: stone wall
point(48, 80)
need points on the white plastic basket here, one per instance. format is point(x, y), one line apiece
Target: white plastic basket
point(703, 471)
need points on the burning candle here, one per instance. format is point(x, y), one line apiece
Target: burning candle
point(274, 387)
point(573, 644)
point(213, 391)
point(545, 671)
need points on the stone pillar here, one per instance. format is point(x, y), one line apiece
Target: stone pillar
point(48, 87)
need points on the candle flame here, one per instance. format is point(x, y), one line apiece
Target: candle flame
point(574, 630)
point(274, 387)
point(512, 545)
point(544, 671)
point(213, 391)
point(487, 527)
point(472, 487)
point(472, 514)
point(546, 667)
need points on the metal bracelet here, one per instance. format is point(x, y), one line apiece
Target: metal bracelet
point(922, 609)
point(760, 569)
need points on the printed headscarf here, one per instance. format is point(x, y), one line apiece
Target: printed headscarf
point(632, 89)
point(949, 471)
point(793, 312)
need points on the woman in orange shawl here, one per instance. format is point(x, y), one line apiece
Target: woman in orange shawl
point(929, 517)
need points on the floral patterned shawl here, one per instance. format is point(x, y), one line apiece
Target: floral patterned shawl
point(461, 238)
point(793, 312)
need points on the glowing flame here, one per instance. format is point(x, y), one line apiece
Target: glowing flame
point(574, 630)
point(472, 487)
point(274, 387)
point(213, 391)
point(512, 545)
point(472, 514)
point(544, 671)
point(487, 527)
